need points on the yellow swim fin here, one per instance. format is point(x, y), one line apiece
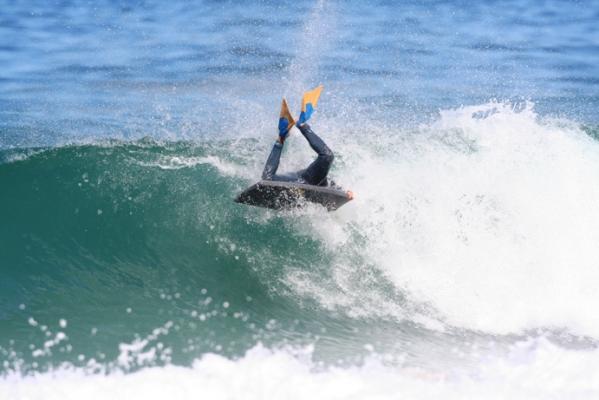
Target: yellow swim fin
point(309, 103)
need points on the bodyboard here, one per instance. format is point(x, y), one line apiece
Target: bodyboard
point(285, 195)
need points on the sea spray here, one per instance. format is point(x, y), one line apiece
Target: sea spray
point(487, 216)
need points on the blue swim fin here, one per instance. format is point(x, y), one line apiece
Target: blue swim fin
point(286, 121)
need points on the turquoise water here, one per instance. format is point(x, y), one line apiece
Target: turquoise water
point(465, 266)
point(117, 241)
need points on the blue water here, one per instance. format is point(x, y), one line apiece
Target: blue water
point(72, 70)
point(465, 267)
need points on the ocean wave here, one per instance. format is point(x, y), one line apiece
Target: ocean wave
point(478, 227)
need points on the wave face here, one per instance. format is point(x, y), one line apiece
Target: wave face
point(474, 245)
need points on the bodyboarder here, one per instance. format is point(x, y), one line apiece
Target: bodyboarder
point(316, 173)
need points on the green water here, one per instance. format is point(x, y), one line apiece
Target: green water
point(116, 245)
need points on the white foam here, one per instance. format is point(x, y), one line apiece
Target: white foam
point(489, 215)
point(534, 369)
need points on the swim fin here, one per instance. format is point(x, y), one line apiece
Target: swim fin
point(309, 102)
point(285, 120)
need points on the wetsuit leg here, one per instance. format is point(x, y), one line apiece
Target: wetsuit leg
point(317, 172)
point(272, 164)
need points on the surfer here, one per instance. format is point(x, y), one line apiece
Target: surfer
point(307, 185)
point(317, 171)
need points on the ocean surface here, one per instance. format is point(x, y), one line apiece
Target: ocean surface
point(465, 267)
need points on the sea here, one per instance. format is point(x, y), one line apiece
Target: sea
point(466, 267)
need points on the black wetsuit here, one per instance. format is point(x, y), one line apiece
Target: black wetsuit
point(315, 174)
